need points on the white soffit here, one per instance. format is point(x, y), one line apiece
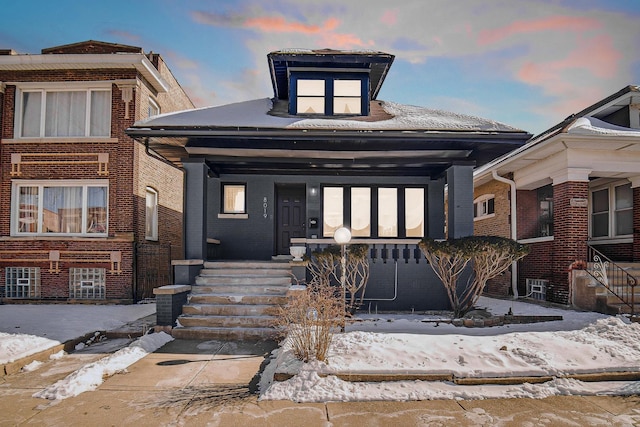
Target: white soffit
point(86, 61)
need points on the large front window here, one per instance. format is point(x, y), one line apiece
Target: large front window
point(60, 208)
point(612, 211)
point(383, 212)
point(59, 113)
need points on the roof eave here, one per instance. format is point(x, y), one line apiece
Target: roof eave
point(86, 61)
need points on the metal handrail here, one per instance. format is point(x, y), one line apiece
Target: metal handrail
point(613, 277)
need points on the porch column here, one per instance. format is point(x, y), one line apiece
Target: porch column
point(570, 228)
point(195, 209)
point(435, 209)
point(460, 201)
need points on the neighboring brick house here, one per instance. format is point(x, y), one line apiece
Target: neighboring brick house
point(577, 190)
point(89, 214)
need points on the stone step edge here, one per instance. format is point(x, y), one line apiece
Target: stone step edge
point(227, 316)
point(386, 377)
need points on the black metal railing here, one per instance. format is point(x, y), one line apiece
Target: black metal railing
point(613, 277)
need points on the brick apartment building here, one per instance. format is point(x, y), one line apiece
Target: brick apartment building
point(88, 213)
point(570, 192)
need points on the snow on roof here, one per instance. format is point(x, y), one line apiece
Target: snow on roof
point(255, 114)
point(593, 126)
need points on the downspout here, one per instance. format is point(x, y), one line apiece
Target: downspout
point(514, 229)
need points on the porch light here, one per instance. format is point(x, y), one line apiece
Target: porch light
point(342, 236)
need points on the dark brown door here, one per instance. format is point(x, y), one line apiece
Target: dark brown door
point(291, 211)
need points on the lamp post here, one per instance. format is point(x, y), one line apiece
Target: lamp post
point(342, 236)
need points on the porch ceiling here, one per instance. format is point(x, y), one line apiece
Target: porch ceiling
point(325, 153)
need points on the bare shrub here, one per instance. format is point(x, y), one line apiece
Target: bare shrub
point(309, 320)
point(488, 256)
point(325, 269)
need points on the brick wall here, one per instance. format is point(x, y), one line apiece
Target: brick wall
point(536, 265)
point(500, 223)
point(636, 224)
point(527, 214)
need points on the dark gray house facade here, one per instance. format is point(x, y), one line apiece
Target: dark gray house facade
point(325, 153)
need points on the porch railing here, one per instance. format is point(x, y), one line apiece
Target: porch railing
point(613, 277)
point(380, 250)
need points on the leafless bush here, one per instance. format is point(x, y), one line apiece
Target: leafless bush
point(324, 266)
point(309, 320)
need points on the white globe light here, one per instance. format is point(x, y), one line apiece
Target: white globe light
point(342, 236)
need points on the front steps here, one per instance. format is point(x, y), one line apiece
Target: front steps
point(235, 300)
point(611, 304)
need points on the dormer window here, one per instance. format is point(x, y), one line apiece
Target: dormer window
point(347, 96)
point(329, 95)
point(311, 94)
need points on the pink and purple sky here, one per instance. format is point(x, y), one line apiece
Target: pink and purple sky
point(527, 63)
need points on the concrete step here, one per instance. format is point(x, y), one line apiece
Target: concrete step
point(226, 321)
point(245, 272)
point(224, 334)
point(238, 299)
point(262, 289)
point(269, 265)
point(230, 309)
point(242, 280)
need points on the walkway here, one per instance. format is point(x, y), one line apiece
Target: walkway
point(189, 383)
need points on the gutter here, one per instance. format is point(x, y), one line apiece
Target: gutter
point(514, 228)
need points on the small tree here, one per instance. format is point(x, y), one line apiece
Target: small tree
point(488, 255)
point(357, 275)
point(324, 266)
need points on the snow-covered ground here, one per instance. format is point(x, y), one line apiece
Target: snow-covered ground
point(27, 329)
point(582, 343)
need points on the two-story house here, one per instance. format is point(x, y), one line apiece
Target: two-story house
point(325, 153)
point(573, 194)
point(88, 213)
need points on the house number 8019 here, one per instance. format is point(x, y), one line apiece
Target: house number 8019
point(264, 207)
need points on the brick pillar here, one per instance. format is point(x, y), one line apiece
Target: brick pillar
point(571, 231)
point(636, 223)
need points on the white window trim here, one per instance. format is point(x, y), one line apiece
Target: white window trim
point(55, 183)
point(482, 199)
point(610, 237)
point(43, 88)
point(154, 226)
point(154, 104)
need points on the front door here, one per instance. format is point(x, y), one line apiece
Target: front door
point(291, 215)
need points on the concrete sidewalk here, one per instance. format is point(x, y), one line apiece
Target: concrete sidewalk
point(214, 383)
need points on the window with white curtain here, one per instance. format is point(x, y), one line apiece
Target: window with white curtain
point(64, 113)
point(234, 199)
point(59, 207)
point(151, 214)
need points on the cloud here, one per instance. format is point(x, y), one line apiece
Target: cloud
point(389, 17)
point(555, 23)
point(132, 38)
point(218, 19)
point(278, 24)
